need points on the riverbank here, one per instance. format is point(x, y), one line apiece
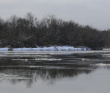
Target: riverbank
point(51, 48)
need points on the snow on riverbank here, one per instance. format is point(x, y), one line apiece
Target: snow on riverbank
point(57, 48)
point(106, 49)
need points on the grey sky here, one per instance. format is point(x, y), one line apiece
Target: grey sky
point(95, 13)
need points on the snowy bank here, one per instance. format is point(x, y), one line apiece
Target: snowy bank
point(52, 48)
point(106, 49)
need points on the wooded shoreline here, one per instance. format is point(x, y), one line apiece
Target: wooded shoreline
point(50, 31)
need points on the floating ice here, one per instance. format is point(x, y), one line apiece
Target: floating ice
point(102, 65)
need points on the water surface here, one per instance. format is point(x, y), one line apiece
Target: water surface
point(46, 73)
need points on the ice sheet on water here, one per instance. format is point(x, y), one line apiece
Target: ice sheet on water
point(39, 59)
point(11, 77)
point(102, 65)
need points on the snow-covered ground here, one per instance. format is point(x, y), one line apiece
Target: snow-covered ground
point(106, 49)
point(52, 48)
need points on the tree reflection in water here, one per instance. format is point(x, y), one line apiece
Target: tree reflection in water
point(30, 71)
point(30, 75)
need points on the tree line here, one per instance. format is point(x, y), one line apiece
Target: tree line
point(31, 32)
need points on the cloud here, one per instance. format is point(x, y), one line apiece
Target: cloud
point(92, 12)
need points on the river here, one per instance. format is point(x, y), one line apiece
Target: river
point(42, 72)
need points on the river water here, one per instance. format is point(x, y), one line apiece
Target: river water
point(33, 72)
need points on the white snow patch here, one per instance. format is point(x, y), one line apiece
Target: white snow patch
point(51, 48)
point(106, 49)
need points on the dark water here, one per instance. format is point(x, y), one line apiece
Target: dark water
point(42, 73)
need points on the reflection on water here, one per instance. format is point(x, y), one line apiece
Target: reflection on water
point(54, 71)
point(30, 76)
point(21, 71)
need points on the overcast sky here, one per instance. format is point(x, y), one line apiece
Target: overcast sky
point(95, 13)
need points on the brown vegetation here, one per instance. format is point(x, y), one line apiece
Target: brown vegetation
point(10, 48)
